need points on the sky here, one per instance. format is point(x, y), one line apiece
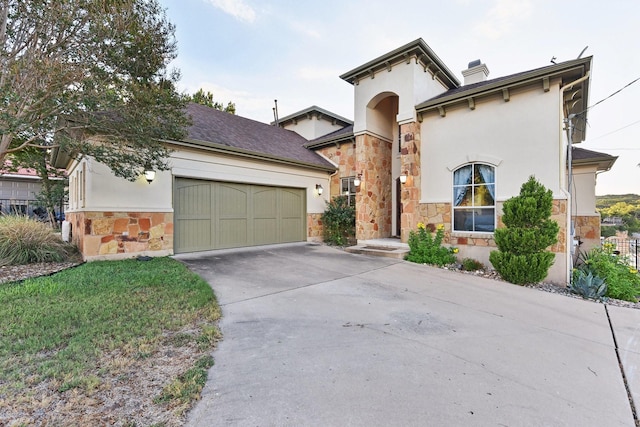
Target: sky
point(252, 52)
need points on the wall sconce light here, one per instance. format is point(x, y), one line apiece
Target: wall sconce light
point(357, 180)
point(319, 189)
point(149, 175)
point(403, 178)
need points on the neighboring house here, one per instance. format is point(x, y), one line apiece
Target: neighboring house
point(422, 148)
point(18, 192)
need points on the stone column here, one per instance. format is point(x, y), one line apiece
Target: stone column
point(373, 197)
point(410, 164)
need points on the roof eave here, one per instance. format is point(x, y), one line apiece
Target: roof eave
point(221, 148)
point(302, 114)
point(518, 80)
point(326, 142)
point(603, 164)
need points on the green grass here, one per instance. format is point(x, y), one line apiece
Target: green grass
point(58, 327)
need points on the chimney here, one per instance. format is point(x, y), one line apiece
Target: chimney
point(476, 73)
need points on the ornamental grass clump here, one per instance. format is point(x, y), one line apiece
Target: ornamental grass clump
point(522, 256)
point(428, 249)
point(25, 241)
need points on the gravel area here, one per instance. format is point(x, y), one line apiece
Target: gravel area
point(548, 287)
point(14, 273)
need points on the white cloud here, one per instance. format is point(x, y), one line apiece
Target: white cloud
point(236, 8)
point(503, 17)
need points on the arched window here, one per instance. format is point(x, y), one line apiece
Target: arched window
point(474, 202)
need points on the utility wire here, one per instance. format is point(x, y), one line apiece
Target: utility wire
point(617, 130)
point(605, 98)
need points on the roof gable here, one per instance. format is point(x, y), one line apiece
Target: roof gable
point(316, 111)
point(417, 49)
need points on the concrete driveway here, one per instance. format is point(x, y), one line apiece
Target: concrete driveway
point(315, 336)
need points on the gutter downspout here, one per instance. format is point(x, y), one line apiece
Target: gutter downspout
point(569, 122)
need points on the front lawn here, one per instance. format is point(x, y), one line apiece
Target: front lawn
point(73, 343)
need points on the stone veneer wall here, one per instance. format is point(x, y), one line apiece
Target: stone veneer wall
point(588, 230)
point(410, 163)
point(314, 227)
point(109, 234)
point(433, 214)
point(344, 156)
point(373, 197)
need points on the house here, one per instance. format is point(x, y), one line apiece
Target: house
point(423, 147)
point(19, 188)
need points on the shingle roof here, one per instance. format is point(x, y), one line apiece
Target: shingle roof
point(333, 137)
point(498, 82)
point(583, 156)
point(221, 130)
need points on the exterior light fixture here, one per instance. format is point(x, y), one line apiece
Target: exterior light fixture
point(403, 178)
point(149, 175)
point(319, 189)
point(357, 180)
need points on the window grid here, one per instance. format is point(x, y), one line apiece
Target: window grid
point(474, 198)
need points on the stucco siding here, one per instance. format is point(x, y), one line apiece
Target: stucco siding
point(521, 137)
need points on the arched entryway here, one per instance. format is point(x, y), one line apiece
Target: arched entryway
point(378, 160)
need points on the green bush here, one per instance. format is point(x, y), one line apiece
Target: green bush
point(470, 264)
point(521, 256)
point(425, 249)
point(622, 280)
point(339, 221)
point(25, 241)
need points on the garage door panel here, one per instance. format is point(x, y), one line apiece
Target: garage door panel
point(232, 233)
point(291, 203)
point(194, 201)
point(291, 230)
point(232, 201)
point(265, 231)
point(265, 202)
point(218, 215)
point(193, 235)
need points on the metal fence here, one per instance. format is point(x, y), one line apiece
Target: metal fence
point(30, 208)
point(625, 247)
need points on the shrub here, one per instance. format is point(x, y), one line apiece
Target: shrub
point(425, 249)
point(339, 221)
point(521, 256)
point(470, 264)
point(586, 284)
point(623, 281)
point(24, 241)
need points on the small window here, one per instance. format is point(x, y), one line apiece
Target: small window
point(474, 203)
point(348, 188)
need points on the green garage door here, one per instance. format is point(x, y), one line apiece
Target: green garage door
point(220, 215)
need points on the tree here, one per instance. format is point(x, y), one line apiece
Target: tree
point(521, 256)
point(200, 97)
point(76, 72)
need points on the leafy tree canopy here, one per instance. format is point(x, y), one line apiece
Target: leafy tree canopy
point(74, 69)
point(200, 97)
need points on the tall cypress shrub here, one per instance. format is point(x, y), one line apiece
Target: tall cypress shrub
point(521, 256)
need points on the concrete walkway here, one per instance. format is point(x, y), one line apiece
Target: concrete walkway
point(314, 336)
